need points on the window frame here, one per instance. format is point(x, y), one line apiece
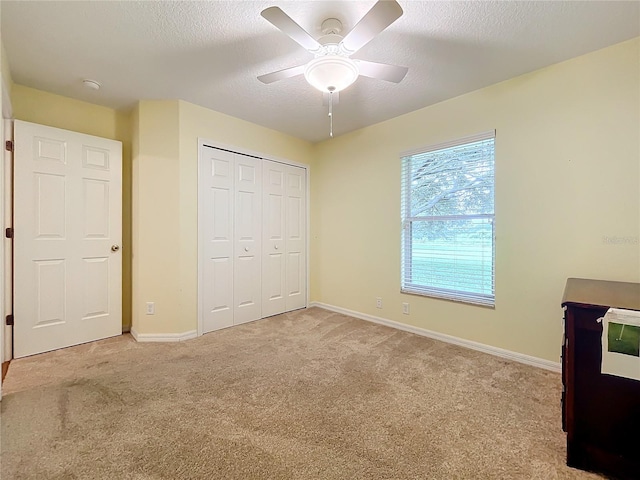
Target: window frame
point(486, 300)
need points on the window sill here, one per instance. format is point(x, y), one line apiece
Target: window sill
point(488, 302)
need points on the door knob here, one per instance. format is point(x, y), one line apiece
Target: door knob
point(246, 249)
point(276, 247)
point(115, 248)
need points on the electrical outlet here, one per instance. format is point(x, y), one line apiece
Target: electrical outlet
point(151, 308)
point(405, 308)
point(378, 302)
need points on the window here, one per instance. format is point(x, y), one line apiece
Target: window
point(448, 246)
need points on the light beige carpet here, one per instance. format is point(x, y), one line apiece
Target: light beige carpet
point(305, 395)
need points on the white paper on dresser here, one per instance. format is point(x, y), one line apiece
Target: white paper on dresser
point(621, 343)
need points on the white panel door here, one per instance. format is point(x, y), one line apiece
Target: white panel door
point(215, 213)
point(273, 238)
point(296, 228)
point(68, 232)
point(247, 242)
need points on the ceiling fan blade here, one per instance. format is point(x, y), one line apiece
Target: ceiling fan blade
point(281, 20)
point(282, 74)
point(381, 15)
point(383, 71)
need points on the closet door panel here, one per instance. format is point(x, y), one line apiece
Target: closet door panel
point(274, 241)
point(296, 228)
point(216, 222)
point(247, 239)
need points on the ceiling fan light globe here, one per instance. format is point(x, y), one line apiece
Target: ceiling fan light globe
point(331, 73)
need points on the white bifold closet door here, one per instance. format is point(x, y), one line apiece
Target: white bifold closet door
point(284, 265)
point(230, 232)
point(252, 238)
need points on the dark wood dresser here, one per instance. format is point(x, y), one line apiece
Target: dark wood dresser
point(600, 413)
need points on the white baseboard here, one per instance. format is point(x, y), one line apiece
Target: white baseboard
point(163, 337)
point(498, 352)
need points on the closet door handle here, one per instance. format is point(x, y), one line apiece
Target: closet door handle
point(276, 247)
point(246, 249)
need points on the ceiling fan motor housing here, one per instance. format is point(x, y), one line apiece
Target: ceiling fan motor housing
point(331, 26)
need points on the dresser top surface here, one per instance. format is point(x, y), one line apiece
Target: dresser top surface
point(602, 293)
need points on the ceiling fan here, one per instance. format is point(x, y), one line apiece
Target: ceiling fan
point(332, 69)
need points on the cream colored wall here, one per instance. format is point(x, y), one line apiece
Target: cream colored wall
point(196, 121)
point(123, 132)
point(45, 108)
point(567, 178)
point(135, 207)
point(165, 203)
point(156, 197)
point(6, 70)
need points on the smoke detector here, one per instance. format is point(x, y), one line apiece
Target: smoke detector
point(92, 84)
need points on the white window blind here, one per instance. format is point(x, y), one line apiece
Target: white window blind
point(448, 239)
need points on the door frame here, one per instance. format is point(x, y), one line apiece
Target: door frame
point(203, 142)
point(6, 201)
point(7, 245)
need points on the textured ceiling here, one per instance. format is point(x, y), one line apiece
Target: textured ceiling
point(210, 53)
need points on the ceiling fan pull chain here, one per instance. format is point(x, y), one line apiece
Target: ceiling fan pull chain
point(331, 113)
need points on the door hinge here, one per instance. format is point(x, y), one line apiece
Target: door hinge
point(8, 145)
point(8, 232)
point(9, 319)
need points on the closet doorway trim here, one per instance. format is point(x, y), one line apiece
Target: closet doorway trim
point(203, 142)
